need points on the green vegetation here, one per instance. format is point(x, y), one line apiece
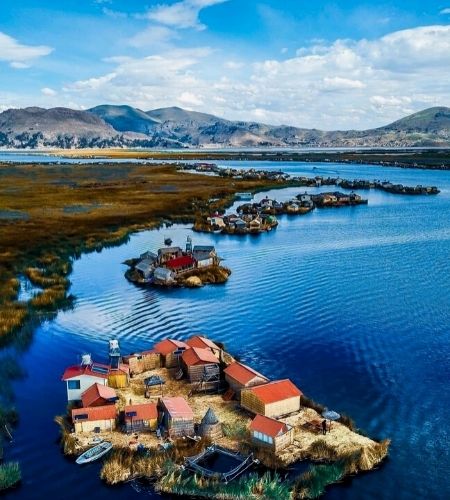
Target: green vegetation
point(249, 486)
point(9, 475)
point(312, 483)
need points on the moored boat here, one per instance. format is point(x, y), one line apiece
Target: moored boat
point(94, 453)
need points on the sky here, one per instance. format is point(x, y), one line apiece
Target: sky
point(314, 64)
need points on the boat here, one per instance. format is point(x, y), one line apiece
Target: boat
point(167, 241)
point(94, 453)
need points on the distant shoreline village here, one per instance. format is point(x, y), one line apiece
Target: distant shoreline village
point(194, 420)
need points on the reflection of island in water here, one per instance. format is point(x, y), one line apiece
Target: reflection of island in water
point(171, 266)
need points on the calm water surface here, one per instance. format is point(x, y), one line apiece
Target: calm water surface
point(351, 303)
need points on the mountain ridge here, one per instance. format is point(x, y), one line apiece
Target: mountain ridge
point(125, 126)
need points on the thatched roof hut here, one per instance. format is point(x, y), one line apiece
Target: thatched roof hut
point(210, 427)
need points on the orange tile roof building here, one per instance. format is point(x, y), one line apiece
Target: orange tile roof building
point(273, 399)
point(270, 433)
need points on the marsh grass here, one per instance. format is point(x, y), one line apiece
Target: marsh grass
point(68, 441)
point(268, 485)
point(9, 475)
point(312, 483)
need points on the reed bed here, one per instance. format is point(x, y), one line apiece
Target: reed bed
point(248, 486)
point(68, 441)
point(10, 475)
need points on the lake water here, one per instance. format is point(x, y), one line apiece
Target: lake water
point(352, 304)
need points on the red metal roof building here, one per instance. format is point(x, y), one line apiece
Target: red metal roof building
point(203, 343)
point(268, 426)
point(244, 375)
point(271, 433)
point(168, 346)
point(92, 370)
point(177, 417)
point(185, 262)
point(198, 356)
point(97, 417)
point(98, 395)
point(141, 417)
point(170, 351)
point(273, 399)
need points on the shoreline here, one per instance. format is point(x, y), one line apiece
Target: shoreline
point(423, 158)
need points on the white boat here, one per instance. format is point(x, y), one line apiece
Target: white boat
point(94, 453)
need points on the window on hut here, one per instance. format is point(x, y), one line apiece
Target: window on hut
point(73, 384)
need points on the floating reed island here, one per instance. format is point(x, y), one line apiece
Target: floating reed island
point(190, 418)
point(316, 181)
point(171, 266)
point(260, 217)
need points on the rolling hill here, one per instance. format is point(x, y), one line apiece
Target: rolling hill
point(174, 127)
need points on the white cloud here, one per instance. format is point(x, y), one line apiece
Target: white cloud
point(19, 55)
point(153, 35)
point(233, 65)
point(445, 11)
point(184, 14)
point(339, 83)
point(345, 84)
point(48, 91)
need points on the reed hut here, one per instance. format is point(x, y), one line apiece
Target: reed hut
point(240, 376)
point(271, 434)
point(210, 427)
point(196, 361)
point(176, 416)
point(98, 395)
point(98, 418)
point(141, 417)
point(119, 377)
point(273, 399)
point(204, 343)
point(143, 361)
point(170, 351)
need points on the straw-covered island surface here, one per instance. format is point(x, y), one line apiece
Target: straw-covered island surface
point(341, 452)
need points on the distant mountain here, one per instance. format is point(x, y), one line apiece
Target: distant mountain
point(125, 118)
point(125, 126)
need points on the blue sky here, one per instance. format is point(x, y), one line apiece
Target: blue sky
point(330, 65)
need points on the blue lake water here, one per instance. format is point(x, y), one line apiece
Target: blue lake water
point(352, 304)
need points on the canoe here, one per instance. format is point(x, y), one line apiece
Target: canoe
point(94, 453)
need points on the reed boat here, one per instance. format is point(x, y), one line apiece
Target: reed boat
point(94, 453)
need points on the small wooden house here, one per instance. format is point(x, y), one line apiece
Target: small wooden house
point(79, 378)
point(273, 399)
point(210, 427)
point(181, 264)
point(143, 361)
point(167, 253)
point(101, 418)
point(240, 376)
point(195, 360)
point(204, 343)
point(98, 395)
point(170, 351)
point(270, 433)
point(141, 417)
point(204, 255)
point(176, 416)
